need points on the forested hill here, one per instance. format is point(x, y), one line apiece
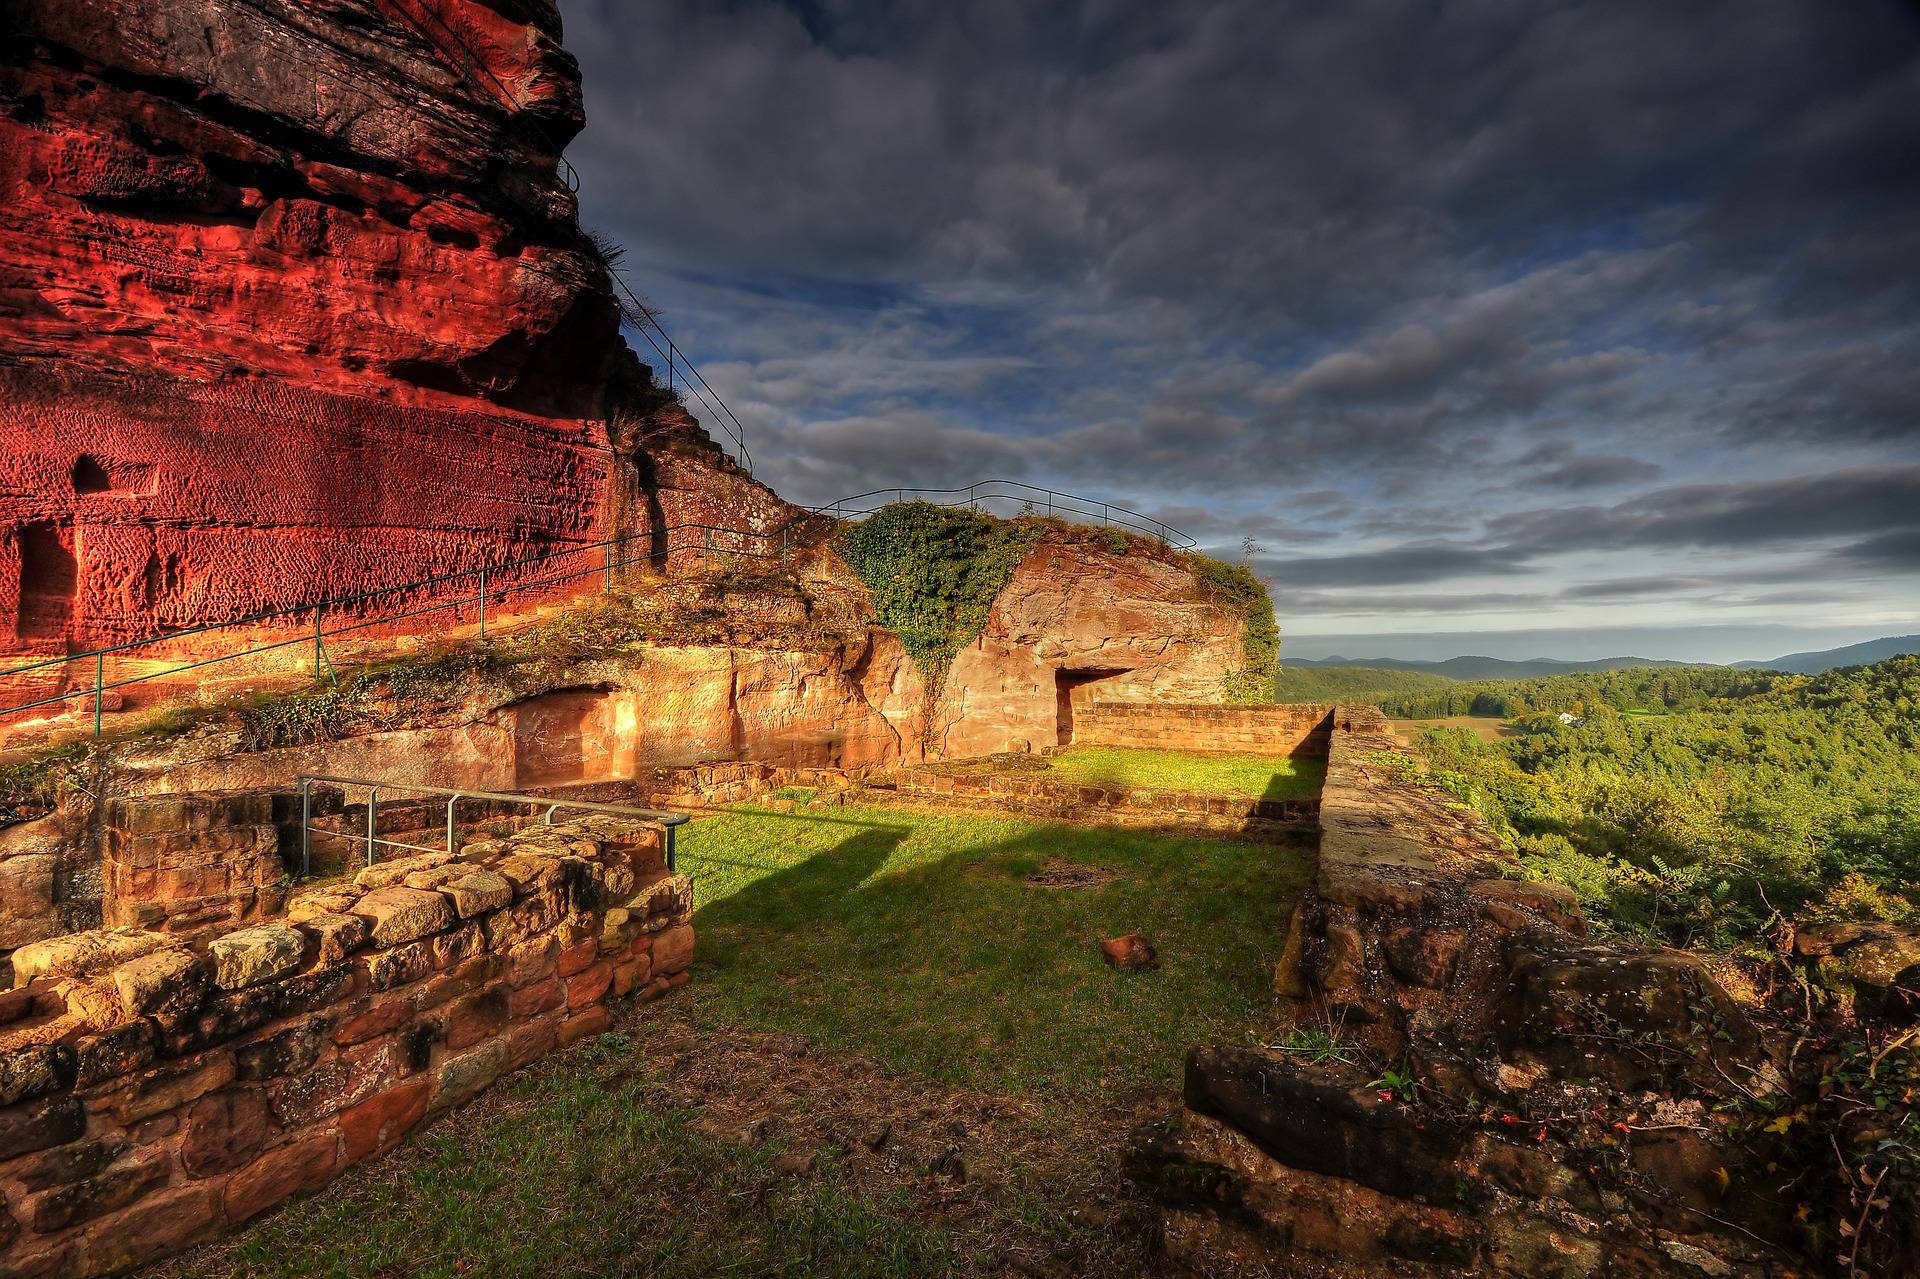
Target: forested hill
point(1653, 690)
point(1800, 794)
point(1480, 667)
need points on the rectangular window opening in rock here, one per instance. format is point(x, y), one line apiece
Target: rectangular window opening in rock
point(1075, 691)
point(49, 578)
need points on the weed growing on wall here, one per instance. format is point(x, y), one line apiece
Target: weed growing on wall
point(933, 572)
point(36, 783)
point(1235, 587)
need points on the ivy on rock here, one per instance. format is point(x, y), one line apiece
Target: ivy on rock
point(933, 573)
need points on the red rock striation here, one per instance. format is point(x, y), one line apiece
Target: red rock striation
point(293, 302)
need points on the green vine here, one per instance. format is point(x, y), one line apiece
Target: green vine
point(933, 572)
point(1235, 587)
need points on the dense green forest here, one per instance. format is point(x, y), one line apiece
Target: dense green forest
point(1353, 685)
point(1753, 794)
point(1648, 689)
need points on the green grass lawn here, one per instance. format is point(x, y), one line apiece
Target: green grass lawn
point(916, 938)
point(911, 938)
point(1258, 776)
point(566, 1170)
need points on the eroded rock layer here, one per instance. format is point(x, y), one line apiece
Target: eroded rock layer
point(293, 302)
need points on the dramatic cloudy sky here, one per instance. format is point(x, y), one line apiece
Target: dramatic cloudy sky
point(1599, 320)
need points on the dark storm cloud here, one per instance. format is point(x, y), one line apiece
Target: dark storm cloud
point(1397, 566)
point(1439, 292)
point(1734, 516)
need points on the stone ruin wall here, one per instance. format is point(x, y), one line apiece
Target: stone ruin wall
point(1420, 943)
point(1289, 731)
point(646, 724)
point(1293, 729)
point(153, 1094)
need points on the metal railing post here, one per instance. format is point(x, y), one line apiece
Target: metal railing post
point(483, 603)
point(373, 806)
point(306, 827)
point(606, 584)
point(99, 692)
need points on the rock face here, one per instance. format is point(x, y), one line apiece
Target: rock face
point(1078, 624)
point(293, 303)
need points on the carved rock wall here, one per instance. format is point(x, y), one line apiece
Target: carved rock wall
point(294, 303)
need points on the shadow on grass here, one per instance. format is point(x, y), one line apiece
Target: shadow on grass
point(923, 944)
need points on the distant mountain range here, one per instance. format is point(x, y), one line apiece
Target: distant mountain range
point(1475, 668)
point(1488, 667)
point(1852, 655)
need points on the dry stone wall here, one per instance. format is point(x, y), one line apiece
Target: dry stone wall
point(1040, 796)
point(1557, 1096)
point(154, 1093)
point(1258, 730)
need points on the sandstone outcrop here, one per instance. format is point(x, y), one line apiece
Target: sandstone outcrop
point(294, 303)
point(1077, 624)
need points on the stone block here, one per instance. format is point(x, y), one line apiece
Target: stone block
point(26, 884)
point(476, 1017)
point(1635, 1018)
point(113, 1054)
point(595, 1020)
point(1316, 1125)
point(673, 950)
point(278, 1175)
point(285, 1052)
point(395, 915)
point(72, 1162)
point(164, 1090)
point(461, 1077)
point(631, 974)
point(80, 954)
point(576, 958)
point(401, 965)
point(477, 892)
point(590, 986)
point(166, 981)
point(223, 1131)
point(531, 1001)
point(113, 1187)
point(377, 1124)
point(35, 1071)
point(38, 1125)
point(335, 936)
point(380, 1017)
point(1423, 956)
point(156, 1226)
point(394, 873)
point(255, 955)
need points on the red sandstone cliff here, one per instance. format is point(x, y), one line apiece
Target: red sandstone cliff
point(294, 302)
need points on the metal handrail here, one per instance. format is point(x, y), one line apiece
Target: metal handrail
point(372, 839)
point(1057, 504)
point(615, 557)
point(638, 313)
